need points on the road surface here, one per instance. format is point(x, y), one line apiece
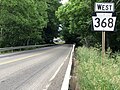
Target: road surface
point(39, 69)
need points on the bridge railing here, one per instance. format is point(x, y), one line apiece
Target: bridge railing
point(23, 47)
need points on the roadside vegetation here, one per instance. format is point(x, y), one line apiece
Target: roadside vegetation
point(76, 19)
point(28, 22)
point(33, 22)
point(95, 73)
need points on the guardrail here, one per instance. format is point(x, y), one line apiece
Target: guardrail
point(65, 84)
point(23, 47)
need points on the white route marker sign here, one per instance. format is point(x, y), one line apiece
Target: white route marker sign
point(104, 22)
point(104, 7)
point(104, 18)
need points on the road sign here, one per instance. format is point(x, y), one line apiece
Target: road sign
point(104, 22)
point(104, 17)
point(104, 7)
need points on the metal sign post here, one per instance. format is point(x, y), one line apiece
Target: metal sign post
point(103, 44)
point(104, 20)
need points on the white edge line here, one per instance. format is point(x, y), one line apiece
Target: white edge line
point(47, 86)
point(65, 84)
point(59, 68)
point(56, 72)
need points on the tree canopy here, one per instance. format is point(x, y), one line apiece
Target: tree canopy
point(28, 22)
point(51, 30)
point(76, 19)
point(24, 22)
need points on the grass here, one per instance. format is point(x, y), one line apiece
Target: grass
point(94, 74)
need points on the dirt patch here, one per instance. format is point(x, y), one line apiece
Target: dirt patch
point(74, 79)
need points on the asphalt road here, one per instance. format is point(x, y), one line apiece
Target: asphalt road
point(39, 69)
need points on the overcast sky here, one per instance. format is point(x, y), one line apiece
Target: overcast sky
point(64, 1)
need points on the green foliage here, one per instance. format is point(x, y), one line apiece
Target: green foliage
point(26, 22)
point(75, 18)
point(95, 73)
point(51, 30)
point(22, 21)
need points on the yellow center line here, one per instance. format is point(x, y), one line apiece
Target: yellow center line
point(19, 59)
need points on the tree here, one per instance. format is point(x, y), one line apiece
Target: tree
point(51, 30)
point(75, 18)
point(22, 21)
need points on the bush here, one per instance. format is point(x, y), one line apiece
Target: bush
point(95, 73)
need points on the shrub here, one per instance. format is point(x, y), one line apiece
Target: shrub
point(95, 73)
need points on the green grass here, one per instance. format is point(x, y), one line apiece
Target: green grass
point(95, 73)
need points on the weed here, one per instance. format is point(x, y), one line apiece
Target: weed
point(93, 75)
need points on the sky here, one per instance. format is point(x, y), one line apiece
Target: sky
point(64, 1)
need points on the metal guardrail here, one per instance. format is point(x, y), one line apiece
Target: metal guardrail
point(23, 47)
